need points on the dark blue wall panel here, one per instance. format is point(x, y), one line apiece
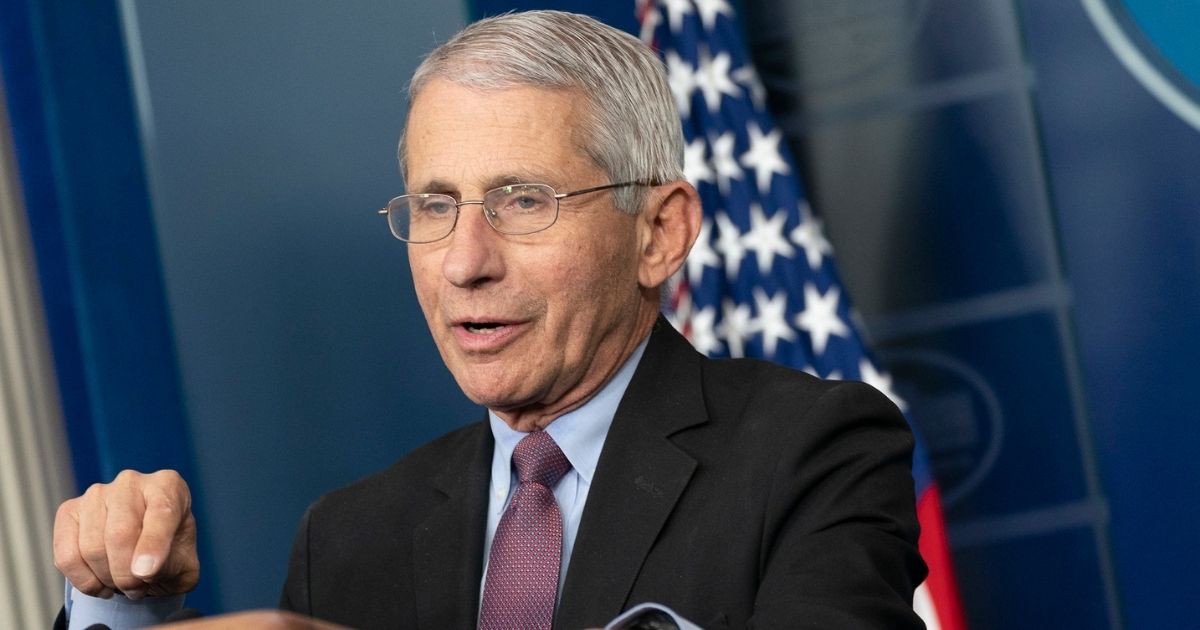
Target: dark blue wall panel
point(619, 13)
point(78, 150)
point(1123, 168)
point(271, 131)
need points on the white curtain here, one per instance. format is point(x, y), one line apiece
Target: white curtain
point(35, 470)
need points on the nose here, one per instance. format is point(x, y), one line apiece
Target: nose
point(474, 253)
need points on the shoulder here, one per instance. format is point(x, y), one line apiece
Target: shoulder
point(752, 404)
point(757, 378)
point(779, 421)
point(750, 388)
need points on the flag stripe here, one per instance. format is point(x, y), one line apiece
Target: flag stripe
point(935, 549)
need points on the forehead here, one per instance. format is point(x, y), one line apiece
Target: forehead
point(469, 135)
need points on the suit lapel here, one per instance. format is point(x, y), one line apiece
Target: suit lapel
point(638, 480)
point(448, 546)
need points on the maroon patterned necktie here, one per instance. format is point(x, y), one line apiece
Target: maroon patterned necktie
point(522, 576)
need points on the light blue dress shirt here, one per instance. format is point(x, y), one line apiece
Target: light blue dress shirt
point(117, 612)
point(580, 434)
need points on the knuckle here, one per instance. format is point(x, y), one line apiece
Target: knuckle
point(127, 476)
point(127, 582)
point(168, 484)
point(90, 585)
point(171, 473)
point(120, 533)
point(172, 482)
point(93, 553)
point(163, 506)
point(66, 557)
point(67, 509)
point(167, 477)
point(95, 490)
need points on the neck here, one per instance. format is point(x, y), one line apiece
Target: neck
point(537, 417)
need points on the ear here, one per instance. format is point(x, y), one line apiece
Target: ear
point(667, 227)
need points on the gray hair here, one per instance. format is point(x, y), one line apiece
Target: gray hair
point(632, 129)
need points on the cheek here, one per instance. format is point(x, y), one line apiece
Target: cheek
point(425, 275)
point(604, 287)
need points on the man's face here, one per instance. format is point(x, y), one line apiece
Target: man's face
point(531, 326)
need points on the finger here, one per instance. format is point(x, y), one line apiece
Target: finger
point(181, 572)
point(93, 518)
point(123, 526)
point(67, 556)
point(168, 505)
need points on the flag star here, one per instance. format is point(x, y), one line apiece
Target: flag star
point(766, 238)
point(772, 320)
point(695, 167)
point(748, 77)
point(810, 237)
point(682, 80)
point(736, 326)
point(710, 9)
point(834, 375)
point(729, 243)
point(722, 160)
point(676, 10)
point(879, 380)
point(712, 78)
point(703, 337)
point(819, 317)
point(764, 156)
point(702, 254)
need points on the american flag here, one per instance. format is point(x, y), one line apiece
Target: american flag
point(761, 280)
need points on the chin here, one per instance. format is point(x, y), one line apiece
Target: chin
point(493, 397)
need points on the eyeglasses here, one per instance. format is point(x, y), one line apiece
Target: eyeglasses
point(516, 209)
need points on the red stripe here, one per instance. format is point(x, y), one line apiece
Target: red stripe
point(936, 552)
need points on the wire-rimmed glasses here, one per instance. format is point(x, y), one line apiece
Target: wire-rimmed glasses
point(515, 209)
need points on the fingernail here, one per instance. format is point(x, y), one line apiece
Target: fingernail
point(105, 593)
point(134, 594)
point(143, 566)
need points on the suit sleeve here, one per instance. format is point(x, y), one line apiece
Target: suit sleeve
point(295, 596)
point(840, 550)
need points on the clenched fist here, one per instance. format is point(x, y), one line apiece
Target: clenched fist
point(135, 535)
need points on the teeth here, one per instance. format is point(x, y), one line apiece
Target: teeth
point(482, 328)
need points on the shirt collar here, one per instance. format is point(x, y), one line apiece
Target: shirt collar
point(580, 433)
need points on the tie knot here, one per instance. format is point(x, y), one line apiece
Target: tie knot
point(539, 460)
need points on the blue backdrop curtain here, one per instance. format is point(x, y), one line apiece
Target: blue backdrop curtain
point(76, 138)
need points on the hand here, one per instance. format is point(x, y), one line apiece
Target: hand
point(135, 535)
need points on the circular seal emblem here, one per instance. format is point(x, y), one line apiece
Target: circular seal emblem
point(958, 415)
point(1155, 41)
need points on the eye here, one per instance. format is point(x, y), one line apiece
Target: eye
point(523, 199)
point(434, 206)
point(526, 202)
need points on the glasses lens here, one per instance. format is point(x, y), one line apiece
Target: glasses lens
point(521, 209)
point(421, 218)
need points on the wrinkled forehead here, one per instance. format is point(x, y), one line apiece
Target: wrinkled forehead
point(492, 110)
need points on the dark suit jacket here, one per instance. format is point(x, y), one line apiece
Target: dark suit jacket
point(737, 492)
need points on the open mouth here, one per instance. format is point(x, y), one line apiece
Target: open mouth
point(482, 328)
point(486, 336)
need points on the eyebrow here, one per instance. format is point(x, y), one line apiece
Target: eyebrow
point(450, 188)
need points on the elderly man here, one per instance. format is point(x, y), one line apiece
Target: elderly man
point(547, 208)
